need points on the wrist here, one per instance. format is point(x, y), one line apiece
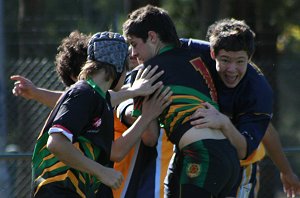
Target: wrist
point(36, 93)
point(132, 92)
point(286, 171)
point(226, 124)
point(146, 119)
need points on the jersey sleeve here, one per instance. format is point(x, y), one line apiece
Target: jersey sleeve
point(255, 112)
point(74, 114)
point(253, 128)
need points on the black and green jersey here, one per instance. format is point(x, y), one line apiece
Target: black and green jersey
point(84, 115)
point(186, 73)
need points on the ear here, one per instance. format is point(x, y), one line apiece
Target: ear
point(152, 36)
point(212, 54)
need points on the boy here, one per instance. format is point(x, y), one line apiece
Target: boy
point(244, 94)
point(154, 41)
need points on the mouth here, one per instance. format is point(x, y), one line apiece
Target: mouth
point(230, 79)
point(140, 60)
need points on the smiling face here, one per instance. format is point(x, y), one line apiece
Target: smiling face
point(231, 66)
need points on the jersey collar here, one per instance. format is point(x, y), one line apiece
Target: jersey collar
point(166, 48)
point(91, 82)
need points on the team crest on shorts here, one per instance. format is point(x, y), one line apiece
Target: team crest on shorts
point(193, 170)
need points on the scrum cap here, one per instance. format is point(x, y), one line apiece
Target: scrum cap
point(111, 48)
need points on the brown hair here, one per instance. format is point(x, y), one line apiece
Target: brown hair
point(93, 67)
point(71, 56)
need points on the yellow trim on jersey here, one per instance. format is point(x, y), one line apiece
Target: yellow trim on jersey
point(69, 175)
point(256, 156)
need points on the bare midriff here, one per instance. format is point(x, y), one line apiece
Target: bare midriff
point(194, 135)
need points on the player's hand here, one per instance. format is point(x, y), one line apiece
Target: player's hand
point(291, 184)
point(153, 106)
point(23, 87)
point(143, 84)
point(111, 177)
point(208, 117)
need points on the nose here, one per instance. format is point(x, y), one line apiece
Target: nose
point(231, 66)
point(133, 52)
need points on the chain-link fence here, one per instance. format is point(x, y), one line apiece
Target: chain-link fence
point(16, 182)
point(25, 119)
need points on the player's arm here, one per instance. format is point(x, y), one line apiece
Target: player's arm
point(63, 149)
point(210, 117)
point(152, 108)
point(142, 86)
point(274, 149)
point(150, 135)
point(25, 88)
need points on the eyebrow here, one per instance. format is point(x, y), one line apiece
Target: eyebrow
point(226, 56)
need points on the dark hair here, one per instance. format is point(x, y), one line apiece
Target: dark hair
point(71, 56)
point(151, 18)
point(231, 35)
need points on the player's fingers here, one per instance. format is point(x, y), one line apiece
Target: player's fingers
point(198, 113)
point(17, 89)
point(289, 192)
point(164, 94)
point(146, 71)
point(18, 78)
point(198, 121)
point(207, 105)
point(155, 77)
point(14, 92)
point(17, 83)
point(140, 70)
point(155, 87)
point(167, 100)
point(120, 181)
point(157, 92)
point(150, 72)
point(138, 75)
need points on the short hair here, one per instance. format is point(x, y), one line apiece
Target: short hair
point(231, 35)
point(151, 18)
point(93, 67)
point(71, 56)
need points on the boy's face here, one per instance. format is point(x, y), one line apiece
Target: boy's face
point(143, 51)
point(121, 81)
point(133, 61)
point(231, 66)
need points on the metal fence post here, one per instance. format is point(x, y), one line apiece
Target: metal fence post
point(4, 185)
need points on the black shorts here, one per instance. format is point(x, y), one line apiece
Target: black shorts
point(211, 165)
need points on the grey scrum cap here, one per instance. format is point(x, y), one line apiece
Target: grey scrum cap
point(108, 47)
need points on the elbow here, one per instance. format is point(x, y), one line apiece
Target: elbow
point(243, 151)
point(117, 154)
point(55, 143)
point(117, 157)
point(150, 142)
point(150, 139)
point(52, 146)
point(242, 155)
